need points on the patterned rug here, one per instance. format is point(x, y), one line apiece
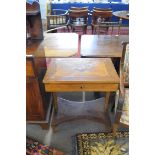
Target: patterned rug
point(102, 144)
point(33, 147)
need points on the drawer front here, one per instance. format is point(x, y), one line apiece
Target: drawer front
point(80, 87)
point(29, 69)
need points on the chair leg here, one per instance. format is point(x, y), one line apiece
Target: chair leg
point(85, 29)
point(73, 29)
point(92, 29)
point(68, 28)
point(98, 30)
point(119, 30)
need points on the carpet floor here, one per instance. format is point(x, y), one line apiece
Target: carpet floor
point(65, 137)
point(102, 143)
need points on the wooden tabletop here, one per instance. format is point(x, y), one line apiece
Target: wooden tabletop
point(122, 14)
point(54, 45)
point(81, 70)
point(102, 45)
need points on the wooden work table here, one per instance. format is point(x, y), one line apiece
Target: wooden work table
point(80, 74)
point(102, 45)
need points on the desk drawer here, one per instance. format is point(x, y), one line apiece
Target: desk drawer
point(58, 87)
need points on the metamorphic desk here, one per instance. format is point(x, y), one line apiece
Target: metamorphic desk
point(79, 74)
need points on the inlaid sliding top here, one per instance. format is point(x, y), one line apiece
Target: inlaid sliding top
point(81, 70)
point(102, 45)
point(54, 45)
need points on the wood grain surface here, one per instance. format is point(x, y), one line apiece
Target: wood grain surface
point(102, 45)
point(54, 45)
point(81, 74)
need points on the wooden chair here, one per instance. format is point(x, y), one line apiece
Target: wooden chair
point(102, 9)
point(57, 20)
point(122, 95)
point(102, 19)
point(79, 8)
point(78, 18)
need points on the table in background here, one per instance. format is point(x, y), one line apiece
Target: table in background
point(54, 45)
point(79, 74)
point(102, 45)
point(122, 14)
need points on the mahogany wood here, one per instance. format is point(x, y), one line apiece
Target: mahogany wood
point(33, 21)
point(34, 101)
point(37, 100)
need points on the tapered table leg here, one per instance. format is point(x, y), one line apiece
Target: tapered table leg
point(55, 102)
point(107, 95)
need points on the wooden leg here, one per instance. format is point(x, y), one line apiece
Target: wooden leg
point(68, 28)
point(86, 30)
point(119, 27)
point(107, 95)
point(54, 128)
point(112, 30)
point(115, 129)
point(98, 30)
point(55, 102)
point(92, 29)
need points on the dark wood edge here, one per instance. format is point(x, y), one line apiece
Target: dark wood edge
point(31, 58)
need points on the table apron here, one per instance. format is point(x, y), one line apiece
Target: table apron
point(69, 87)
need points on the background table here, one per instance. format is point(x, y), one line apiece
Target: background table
point(79, 74)
point(102, 45)
point(121, 14)
point(54, 45)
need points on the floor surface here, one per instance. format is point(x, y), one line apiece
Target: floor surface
point(64, 137)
